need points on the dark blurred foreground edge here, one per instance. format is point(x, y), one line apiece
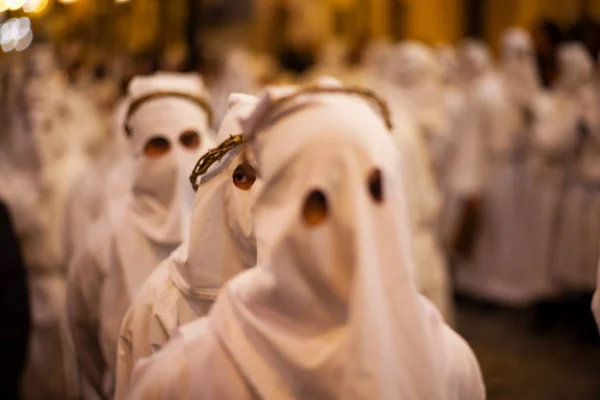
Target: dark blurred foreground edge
point(14, 309)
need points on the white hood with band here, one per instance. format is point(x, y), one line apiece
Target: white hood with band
point(221, 245)
point(319, 316)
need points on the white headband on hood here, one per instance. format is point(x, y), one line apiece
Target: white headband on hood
point(320, 316)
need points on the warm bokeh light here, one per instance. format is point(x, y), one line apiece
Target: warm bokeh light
point(122, 1)
point(16, 34)
point(15, 4)
point(35, 5)
point(68, 1)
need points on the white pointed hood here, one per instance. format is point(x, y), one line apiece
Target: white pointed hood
point(416, 71)
point(319, 317)
point(222, 241)
point(519, 68)
point(165, 105)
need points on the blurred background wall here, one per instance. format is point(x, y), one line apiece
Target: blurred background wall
point(155, 30)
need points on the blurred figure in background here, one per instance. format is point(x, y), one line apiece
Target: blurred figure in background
point(577, 233)
point(459, 217)
point(501, 116)
point(415, 69)
point(168, 124)
point(239, 73)
point(342, 251)
point(61, 129)
point(222, 244)
point(88, 194)
point(423, 196)
point(14, 309)
point(375, 63)
point(560, 116)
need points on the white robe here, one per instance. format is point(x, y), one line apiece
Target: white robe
point(552, 147)
point(424, 202)
point(496, 129)
point(578, 227)
point(61, 128)
point(89, 193)
point(319, 316)
point(185, 285)
point(87, 272)
point(157, 208)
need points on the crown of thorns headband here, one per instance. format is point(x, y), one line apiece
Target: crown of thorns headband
point(137, 103)
point(213, 156)
point(367, 94)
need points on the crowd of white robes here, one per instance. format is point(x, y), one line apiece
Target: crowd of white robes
point(220, 239)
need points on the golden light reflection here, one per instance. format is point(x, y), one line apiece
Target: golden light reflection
point(35, 6)
point(14, 4)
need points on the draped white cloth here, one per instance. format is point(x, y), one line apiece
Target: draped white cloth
point(555, 138)
point(577, 232)
point(411, 65)
point(424, 204)
point(146, 219)
point(86, 199)
point(185, 285)
point(498, 128)
point(375, 62)
point(158, 208)
point(416, 70)
point(52, 143)
point(239, 74)
point(319, 316)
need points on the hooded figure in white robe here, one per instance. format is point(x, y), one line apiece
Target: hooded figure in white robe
point(499, 129)
point(455, 84)
point(221, 245)
point(461, 180)
point(87, 197)
point(415, 69)
point(168, 126)
point(55, 142)
point(560, 115)
point(375, 62)
point(319, 318)
point(98, 188)
point(239, 75)
point(577, 230)
point(424, 200)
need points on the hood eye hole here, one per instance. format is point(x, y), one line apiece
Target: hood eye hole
point(315, 209)
point(157, 146)
point(244, 176)
point(190, 139)
point(375, 185)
